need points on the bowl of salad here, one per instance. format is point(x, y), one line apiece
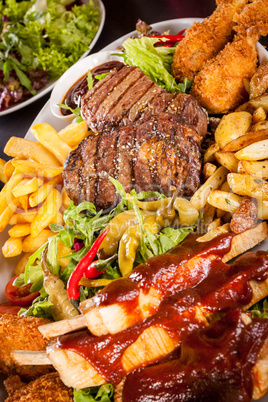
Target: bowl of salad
point(40, 40)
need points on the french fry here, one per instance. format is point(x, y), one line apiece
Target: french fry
point(26, 149)
point(74, 133)
point(228, 160)
point(2, 171)
point(8, 169)
point(200, 197)
point(27, 166)
point(23, 217)
point(254, 152)
point(208, 170)
point(231, 126)
point(5, 216)
point(209, 155)
point(41, 194)
point(6, 198)
point(59, 219)
point(214, 224)
point(50, 139)
point(224, 200)
point(20, 230)
point(257, 169)
point(26, 186)
point(62, 252)
point(246, 140)
point(20, 267)
point(65, 199)
point(23, 201)
point(12, 247)
point(245, 184)
point(46, 213)
point(31, 244)
point(214, 233)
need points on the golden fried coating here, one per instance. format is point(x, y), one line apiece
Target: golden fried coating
point(21, 333)
point(253, 15)
point(47, 388)
point(219, 87)
point(203, 41)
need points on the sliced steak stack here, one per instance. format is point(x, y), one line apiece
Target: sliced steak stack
point(146, 137)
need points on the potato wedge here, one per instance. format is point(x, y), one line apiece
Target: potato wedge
point(245, 184)
point(257, 169)
point(224, 200)
point(258, 115)
point(12, 247)
point(208, 170)
point(261, 125)
point(50, 139)
point(26, 166)
point(199, 199)
point(46, 213)
point(254, 152)
point(209, 155)
point(228, 160)
point(232, 126)
point(74, 133)
point(259, 81)
point(211, 234)
point(26, 149)
point(245, 140)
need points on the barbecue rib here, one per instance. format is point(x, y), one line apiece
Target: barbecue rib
point(147, 138)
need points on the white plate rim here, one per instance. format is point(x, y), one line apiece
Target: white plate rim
point(51, 84)
point(45, 115)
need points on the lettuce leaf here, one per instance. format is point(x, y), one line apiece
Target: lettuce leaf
point(103, 393)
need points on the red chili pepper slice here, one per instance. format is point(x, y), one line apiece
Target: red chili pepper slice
point(171, 39)
point(82, 266)
point(20, 295)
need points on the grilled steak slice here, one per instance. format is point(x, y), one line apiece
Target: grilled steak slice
point(128, 95)
point(154, 153)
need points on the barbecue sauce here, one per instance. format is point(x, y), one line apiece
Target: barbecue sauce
point(213, 364)
point(218, 288)
point(80, 88)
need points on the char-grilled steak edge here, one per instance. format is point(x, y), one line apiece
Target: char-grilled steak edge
point(146, 137)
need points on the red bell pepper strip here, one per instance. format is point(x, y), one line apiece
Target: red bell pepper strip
point(170, 39)
point(76, 275)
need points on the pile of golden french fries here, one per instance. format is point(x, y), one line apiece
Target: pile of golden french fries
point(235, 166)
point(33, 196)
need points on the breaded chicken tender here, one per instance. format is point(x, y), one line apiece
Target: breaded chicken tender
point(203, 41)
point(47, 388)
point(21, 333)
point(220, 85)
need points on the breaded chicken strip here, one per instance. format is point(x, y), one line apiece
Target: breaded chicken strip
point(21, 333)
point(46, 388)
point(219, 86)
point(203, 41)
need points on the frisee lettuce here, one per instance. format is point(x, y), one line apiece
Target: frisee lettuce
point(153, 61)
point(104, 393)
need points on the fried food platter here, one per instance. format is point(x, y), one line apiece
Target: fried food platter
point(46, 115)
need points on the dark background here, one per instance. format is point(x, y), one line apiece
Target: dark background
point(121, 17)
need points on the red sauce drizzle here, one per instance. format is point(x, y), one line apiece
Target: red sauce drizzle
point(214, 287)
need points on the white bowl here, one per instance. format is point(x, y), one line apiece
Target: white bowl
point(71, 76)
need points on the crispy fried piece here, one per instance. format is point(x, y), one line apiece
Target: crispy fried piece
point(21, 333)
point(259, 82)
point(203, 41)
point(46, 388)
point(219, 87)
point(246, 215)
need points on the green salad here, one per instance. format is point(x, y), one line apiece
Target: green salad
point(40, 40)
